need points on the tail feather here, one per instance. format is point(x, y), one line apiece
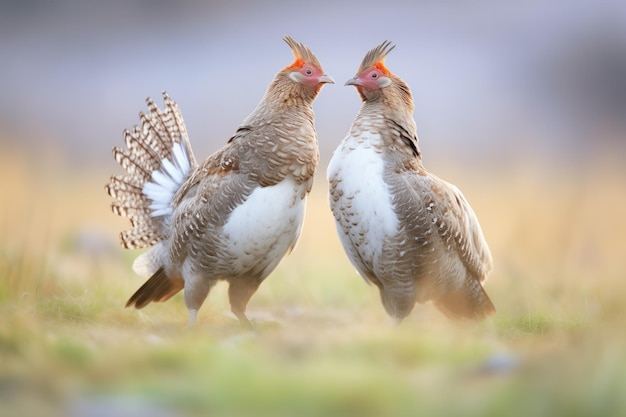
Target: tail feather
point(157, 126)
point(157, 160)
point(133, 163)
point(138, 144)
point(158, 288)
point(120, 186)
point(469, 301)
point(128, 210)
point(140, 237)
point(127, 196)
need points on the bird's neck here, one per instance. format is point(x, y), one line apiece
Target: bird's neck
point(283, 93)
point(280, 106)
point(397, 130)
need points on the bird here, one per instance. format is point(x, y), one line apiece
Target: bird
point(235, 215)
point(406, 231)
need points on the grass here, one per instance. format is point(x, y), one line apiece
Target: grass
point(323, 344)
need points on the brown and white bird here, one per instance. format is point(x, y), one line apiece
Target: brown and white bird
point(406, 231)
point(232, 217)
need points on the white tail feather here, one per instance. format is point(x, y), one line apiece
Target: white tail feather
point(166, 181)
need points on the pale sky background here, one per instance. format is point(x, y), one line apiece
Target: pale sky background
point(497, 81)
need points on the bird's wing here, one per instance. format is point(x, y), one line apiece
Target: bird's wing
point(208, 196)
point(454, 221)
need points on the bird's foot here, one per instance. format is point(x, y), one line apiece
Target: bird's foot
point(193, 318)
point(244, 320)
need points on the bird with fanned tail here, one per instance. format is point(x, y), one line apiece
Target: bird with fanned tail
point(235, 215)
point(411, 234)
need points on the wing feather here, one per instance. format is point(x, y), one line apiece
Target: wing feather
point(452, 219)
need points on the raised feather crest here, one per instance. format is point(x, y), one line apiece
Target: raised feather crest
point(377, 57)
point(301, 53)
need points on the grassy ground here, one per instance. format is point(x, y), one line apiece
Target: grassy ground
point(323, 344)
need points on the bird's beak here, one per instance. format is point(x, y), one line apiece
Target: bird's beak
point(354, 81)
point(326, 79)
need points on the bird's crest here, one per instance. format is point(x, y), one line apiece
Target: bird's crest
point(301, 54)
point(376, 58)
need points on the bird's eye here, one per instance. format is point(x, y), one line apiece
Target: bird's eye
point(308, 71)
point(374, 75)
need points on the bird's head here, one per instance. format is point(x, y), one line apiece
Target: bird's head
point(373, 77)
point(306, 69)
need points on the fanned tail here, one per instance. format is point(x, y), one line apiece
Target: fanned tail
point(157, 160)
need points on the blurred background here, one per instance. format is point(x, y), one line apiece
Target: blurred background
point(522, 104)
point(506, 82)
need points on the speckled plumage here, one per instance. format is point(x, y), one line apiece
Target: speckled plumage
point(406, 231)
point(235, 215)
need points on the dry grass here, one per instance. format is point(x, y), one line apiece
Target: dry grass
point(323, 345)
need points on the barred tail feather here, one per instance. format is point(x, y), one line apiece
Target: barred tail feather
point(157, 160)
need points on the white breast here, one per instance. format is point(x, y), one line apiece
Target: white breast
point(363, 208)
point(260, 231)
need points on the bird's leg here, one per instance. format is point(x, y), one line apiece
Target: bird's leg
point(239, 293)
point(244, 320)
point(193, 316)
point(196, 290)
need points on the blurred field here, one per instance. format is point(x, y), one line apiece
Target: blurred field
point(323, 344)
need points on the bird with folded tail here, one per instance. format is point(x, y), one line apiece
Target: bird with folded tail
point(411, 234)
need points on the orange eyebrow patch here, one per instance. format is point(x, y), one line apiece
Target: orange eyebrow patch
point(382, 68)
point(298, 63)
